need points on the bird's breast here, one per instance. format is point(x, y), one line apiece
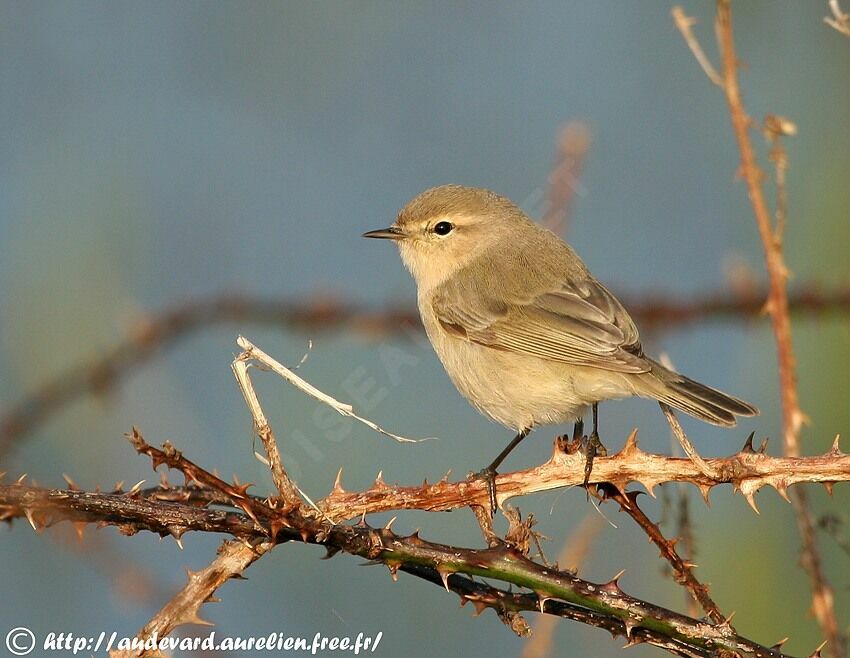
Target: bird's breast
point(516, 390)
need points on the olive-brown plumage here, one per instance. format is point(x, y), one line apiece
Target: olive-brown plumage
point(524, 330)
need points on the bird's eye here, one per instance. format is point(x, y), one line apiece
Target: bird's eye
point(443, 228)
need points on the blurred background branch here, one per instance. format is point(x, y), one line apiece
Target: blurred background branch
point(150, 336)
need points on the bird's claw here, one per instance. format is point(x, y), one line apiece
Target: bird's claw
point(489, 476)
point(591, 447)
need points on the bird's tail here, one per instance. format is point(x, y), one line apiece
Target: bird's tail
point(693, 398)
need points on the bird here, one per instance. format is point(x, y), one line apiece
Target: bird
point(523, 329)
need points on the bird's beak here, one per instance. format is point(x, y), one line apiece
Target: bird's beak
point(389, 233)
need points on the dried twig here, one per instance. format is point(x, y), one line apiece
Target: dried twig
point(839, 19)
point(792, 415)
point(285, 486)
point(684, 23)
point(777, 304)
point(254, 353)
point(682, 569)
point(685, 442)
point(233, 558)
point(574, 141)
point(747, 471)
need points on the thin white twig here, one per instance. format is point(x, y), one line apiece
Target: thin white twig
point(254, 352)
point(686, 444)
point(684, 23)
point(841, 20)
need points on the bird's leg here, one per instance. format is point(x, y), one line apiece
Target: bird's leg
point(489, 473)
point(593, 447)
point(578, 430)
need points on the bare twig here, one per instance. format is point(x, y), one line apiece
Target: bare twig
point(778, 308)
point(685, 442)
point(233, 558)
point(684, 23)
point(285, 486)
point(252, 352)
point(839, 19)
point(574, 141)
point(776, 127)
point(682, 569)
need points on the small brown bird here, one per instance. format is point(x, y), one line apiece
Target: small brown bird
point(523, 329)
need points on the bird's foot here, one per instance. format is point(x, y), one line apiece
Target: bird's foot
point(591, 447)
point(489, 476)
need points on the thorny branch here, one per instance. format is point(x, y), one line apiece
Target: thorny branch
point(174, 511)
point(232, 559)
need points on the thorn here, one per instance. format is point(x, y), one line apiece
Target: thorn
point(362, 522)
point(631, 447)
point(728, 620)
point(31, 519)
point(751, 501)
point(444, 576)
point(21, 479)
point(136, 488)
point(194, 619)
point(390, 523)
point(633, 642)
point(480, 607)
point(781, 487)
point(705, 490)
point(337, 488)
point(425, 484)
point(817, 654)
point(835, 451)
point(414, 537)
point(629, 625)
point(778, 645)
point(445, 478)
point(763, 446)
point(541, 602)
point(71, 484)
point(748, 444)
point(613, 585)
point(393, 567)
point(379, 481)
point(828, 486)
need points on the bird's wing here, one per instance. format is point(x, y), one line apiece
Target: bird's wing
point(575, 322)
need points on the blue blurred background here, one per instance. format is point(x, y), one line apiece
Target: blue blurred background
point(159, 152)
